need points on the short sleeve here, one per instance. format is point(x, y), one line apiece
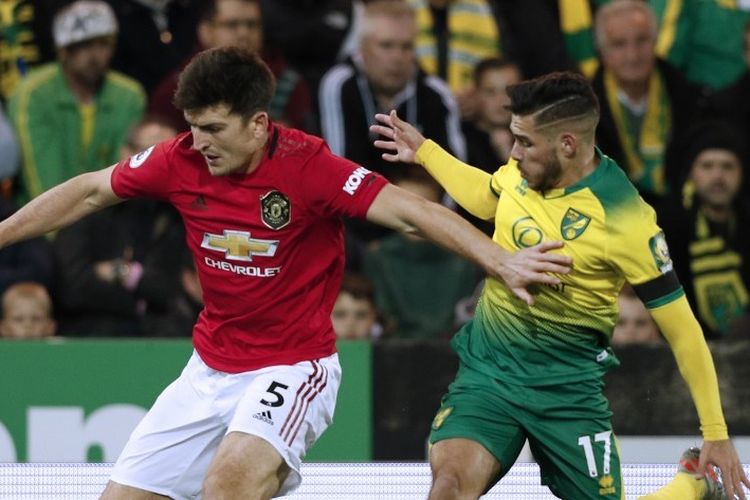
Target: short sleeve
point(639, 250)
point(144, 175)
point(335, 186)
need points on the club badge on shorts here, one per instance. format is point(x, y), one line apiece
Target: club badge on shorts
point(275, 209)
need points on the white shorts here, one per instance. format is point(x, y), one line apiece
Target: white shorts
point(287, 405)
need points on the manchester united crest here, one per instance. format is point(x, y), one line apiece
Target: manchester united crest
point(275, 209)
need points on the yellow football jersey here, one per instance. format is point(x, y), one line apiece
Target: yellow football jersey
point(612, 236)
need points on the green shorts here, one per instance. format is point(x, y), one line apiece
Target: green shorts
point(568, 428)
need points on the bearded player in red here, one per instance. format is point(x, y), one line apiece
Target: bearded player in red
point(262, 206)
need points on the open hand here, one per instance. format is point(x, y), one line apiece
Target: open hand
point(403, 138)
point(532, 266)
point(723, 455)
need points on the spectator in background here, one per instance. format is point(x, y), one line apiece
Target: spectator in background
point(119, 269)
point(706, 227)
point(634, 323)
point(381, 76)
point(354, 315)
point(417, 283)
point(239, 22)
point(179, 313)
point(27, 312)
point(488, 138)
point(452, 37)
point(151, 130)
point(26, 39)
point(72, 116)
point(31, 260)
point(645, 103)
point(311, 34)
point(9, 154)
point(703, 39)
point(155, 37)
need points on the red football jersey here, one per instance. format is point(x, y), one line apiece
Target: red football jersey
point(268, 246)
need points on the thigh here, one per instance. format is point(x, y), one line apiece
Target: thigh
point(289, 407)
point(481, 410)
point(571, 437)
point(169, 451)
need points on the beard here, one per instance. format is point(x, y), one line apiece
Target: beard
point(549, 176)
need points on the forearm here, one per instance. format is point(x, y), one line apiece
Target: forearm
point(59, 207)
point(408, 213)
point(685, 337)
point(469, 186)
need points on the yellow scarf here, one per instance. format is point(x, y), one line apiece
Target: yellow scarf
point(644, 155)
point(473, 36)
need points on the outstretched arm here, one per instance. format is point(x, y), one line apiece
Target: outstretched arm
point(401, 210)
point(679, 326)
point(60, 206)
point(469, 186)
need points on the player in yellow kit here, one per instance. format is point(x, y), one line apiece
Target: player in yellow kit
point(535, 371)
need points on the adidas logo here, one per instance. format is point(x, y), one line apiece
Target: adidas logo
point(265, 416)
point(199, 203)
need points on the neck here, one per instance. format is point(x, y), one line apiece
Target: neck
point(257, 156)
point(636, 91)
point(384, 99)
point(579, 167)
point(84, 92)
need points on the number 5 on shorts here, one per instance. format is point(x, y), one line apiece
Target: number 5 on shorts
point(272, 389)
point(588, 450)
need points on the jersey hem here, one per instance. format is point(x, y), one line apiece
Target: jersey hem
point(233, 365)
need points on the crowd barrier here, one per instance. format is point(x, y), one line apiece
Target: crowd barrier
point(321, 481)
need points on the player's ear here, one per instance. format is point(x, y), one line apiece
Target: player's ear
point(568, 144)
point(260, 122)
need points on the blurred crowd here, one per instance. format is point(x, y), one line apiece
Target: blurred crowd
point(87, 83)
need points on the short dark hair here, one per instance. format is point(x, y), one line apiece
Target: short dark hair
point(556, 96)
point(358, 286)
point(225, 75)
point(207, 9)
point(492, 63)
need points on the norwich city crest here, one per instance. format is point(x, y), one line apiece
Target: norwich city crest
point(437, 422)
point(275, 209)
point(573, 224)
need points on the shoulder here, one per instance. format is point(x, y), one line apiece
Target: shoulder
point(336, 78)
point(123, 84)
point(613, 188)
point(432, 85)
point(293, 144)
point(624, 209)
point(39, 79)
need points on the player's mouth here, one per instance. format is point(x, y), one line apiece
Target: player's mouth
point(211, 160)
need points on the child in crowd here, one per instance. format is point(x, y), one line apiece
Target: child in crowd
point(27, 312)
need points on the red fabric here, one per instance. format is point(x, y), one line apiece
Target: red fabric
point(271, 309)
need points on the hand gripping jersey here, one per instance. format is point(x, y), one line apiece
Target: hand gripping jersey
point(268, 246)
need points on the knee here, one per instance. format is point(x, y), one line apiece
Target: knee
point(230, 482)
point(447, 483)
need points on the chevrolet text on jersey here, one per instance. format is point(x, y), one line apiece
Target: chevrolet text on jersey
point(354, 180)
point(260, 272)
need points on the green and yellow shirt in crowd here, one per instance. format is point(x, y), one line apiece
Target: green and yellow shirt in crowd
point(60, 137)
